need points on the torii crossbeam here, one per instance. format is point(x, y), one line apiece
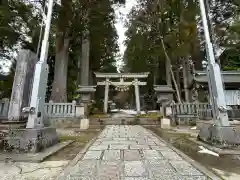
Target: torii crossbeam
point(122, 85)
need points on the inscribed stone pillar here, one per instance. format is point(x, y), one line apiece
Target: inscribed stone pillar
point(22, 85)
point(85, 63)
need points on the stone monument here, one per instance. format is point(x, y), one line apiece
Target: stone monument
point(85, 90)
point(35, 137)
point(22, 85)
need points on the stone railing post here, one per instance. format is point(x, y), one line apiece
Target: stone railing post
point(74, 103)
point(79, 110)
point(50, 108)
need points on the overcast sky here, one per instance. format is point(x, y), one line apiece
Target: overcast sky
point(121, 17)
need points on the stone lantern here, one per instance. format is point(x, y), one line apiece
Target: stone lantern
point(85, 97)
point(164, 98)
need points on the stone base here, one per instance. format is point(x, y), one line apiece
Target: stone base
point(165, 123)
point(13, 124)
point(223, 136)
point(30, 140)
point(84, 124)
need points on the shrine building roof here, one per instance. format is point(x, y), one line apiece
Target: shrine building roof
point(228, 77)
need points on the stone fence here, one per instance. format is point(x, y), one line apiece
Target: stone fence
point(63, 110)
point(202, 111)
point(52, 110)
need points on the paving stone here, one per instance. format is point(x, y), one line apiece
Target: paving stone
point(184, 168)
point(74, 177)
point(118, 146)
point(92, 155)
point(152, 154)
point(109, 170)
point(159, 143)
point(103, 139)
point(144, 157)
point(98, 148)
point(152, 143)
point(120, 139)
point(111, 155)
point(131, 155)
point(171, 155)
point(194, 177)
point(96, 143)
point(138, 146)
point(85, 168)
point(159, 167)
point(168, 176)
point(134, 168)
point(118, 142)
point(161, 148)
point(136, 178)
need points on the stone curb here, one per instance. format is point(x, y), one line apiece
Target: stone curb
point(194, 163)
point(79, 156)
point(216, 149)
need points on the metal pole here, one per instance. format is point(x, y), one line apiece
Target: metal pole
point(47, 31)
point(36, 114)
point(214, 76)
point(209, 47)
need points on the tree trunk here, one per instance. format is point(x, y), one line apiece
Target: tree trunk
point(59, 88)
point(178, 80)
point(79, 71)
point(185, 79)
point(171, 71)
point(168, 73)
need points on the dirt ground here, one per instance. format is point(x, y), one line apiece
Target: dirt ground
point(80, 138)
point(227, 166)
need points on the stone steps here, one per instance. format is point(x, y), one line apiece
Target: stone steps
point(124, 121)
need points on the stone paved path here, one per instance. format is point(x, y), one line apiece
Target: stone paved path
point(131, 153)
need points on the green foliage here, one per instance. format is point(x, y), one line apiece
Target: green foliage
point(172, 20)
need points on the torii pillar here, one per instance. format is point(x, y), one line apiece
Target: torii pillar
point(105, 110)
point(137, 96)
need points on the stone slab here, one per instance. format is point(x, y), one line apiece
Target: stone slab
point(136, 178)
point(170, 155)
point(93, 155)
point(30, 140)
point(146, 161)
point(35, 157)
point(109, 170)
point(161, 148)
point(131, 155)
point(135, 168)
point(85, 168)
point(84, 124)
point(119, 146)
point(165, 123)
point(152, 154)
point(184, 168)
point(99, 148)
point(138, 146)
point(111, 155)
point(159, 167)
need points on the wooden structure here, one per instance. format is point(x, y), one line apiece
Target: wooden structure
point(231, 80)
point(121, 84)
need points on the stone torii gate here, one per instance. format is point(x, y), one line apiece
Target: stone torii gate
point(121, 85)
